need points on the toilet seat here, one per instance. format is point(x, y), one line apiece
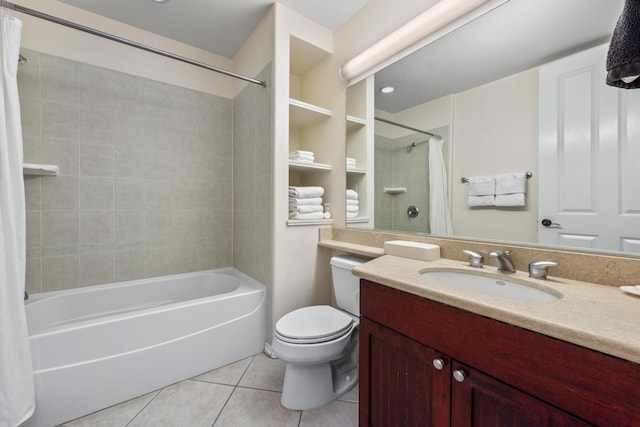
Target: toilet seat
point(311, 325)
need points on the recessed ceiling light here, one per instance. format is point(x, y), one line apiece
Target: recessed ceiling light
point(387, 89)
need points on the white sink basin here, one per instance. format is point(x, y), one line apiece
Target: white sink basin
point(488, 285)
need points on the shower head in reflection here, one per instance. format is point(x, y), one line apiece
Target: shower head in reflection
point(22, 60)
point(414, 145)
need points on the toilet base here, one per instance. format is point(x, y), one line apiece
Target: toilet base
point(308, 386)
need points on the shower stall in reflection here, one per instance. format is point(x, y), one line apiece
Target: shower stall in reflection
point(402, 195)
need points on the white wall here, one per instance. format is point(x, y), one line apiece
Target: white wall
point(495, 130)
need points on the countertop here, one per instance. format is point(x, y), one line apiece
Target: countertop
point(601, 318)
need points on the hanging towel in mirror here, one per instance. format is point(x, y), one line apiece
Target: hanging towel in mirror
point(482, 191)
point(511, 189)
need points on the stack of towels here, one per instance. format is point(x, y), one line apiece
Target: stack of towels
point(351, 163)
point(353, 209)
point(302, 156)
point(305, 203)
point(500, 190)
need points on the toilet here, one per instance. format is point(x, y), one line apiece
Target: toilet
point(320, 343)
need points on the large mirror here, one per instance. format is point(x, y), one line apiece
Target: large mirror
point(520, 89)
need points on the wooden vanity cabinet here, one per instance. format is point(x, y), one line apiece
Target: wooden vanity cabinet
point(414, 351)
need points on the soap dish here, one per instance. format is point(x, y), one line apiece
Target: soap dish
point(631, 290)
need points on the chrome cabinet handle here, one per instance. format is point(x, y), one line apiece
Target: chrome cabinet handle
point(459, 375)
point(438, 364)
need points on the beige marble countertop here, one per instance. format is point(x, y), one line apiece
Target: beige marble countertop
point(601, 318)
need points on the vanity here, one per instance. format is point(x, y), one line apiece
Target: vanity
point(435, 355)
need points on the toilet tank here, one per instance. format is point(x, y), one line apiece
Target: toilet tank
point(345, 285)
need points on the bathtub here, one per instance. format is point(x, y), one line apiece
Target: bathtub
point(97, 346)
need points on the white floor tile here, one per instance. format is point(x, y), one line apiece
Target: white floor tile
point(264, 373)
point(250, 408)
point(115, 416)
point(188, 403)
point(229, 374)
point(335, 414)
point(351, 395)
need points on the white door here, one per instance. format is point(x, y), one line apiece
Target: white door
point(589, 156)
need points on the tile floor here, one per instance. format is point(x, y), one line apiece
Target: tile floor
point(242, 394)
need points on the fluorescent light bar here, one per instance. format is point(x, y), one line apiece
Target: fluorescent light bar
point(433, 19)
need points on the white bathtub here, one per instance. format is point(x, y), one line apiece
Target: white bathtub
point(97, 346)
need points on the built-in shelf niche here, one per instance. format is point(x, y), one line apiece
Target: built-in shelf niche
point(307, 121)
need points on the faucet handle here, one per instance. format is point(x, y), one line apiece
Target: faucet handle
point(538, 269)
point(499, 253)
point(475, 259)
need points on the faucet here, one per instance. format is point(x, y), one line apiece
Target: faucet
point(475, 259)
point(503, 261)
point(538, 269)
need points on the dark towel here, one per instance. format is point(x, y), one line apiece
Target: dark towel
point(623, 58)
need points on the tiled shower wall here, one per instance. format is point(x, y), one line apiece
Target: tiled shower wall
point(253, 183)
point(253, 180)
point(401, 168)
point(145, 184)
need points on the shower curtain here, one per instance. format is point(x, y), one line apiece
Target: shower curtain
point(16, 370)
point(439, 212)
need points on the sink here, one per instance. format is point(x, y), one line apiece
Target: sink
point(489, 285)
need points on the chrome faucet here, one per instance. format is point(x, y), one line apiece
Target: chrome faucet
point(538, 269)
point(503, 261)
point(475, 259)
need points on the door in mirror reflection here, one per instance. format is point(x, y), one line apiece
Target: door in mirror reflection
point(589, 156)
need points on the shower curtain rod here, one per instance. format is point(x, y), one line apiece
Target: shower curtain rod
point(380, 119)
point(127, 42)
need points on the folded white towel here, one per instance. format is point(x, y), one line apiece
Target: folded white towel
point(307, 209)
point(302, 158)
point(307, 216)
point(293, 201)
point(351, 208)
point(515, 199)
point(482, 185)
point(351, 202)
point(352, 214)
point(306, 192)
point(352, 194)
point(302, 152)
point(488, 200)
point(510, 183)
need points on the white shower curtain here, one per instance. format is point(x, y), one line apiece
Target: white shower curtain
point(439, 212)
point(16, 370)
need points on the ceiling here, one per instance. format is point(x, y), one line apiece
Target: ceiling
point(218, 26)
point(516, 36)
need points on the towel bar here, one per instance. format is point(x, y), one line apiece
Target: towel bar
point(465, 180)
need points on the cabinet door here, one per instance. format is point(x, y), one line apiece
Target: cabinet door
point(479, 400)
point(399, 383)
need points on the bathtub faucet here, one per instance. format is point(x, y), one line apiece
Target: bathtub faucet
point(26, 295)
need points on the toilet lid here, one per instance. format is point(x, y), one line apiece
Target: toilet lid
point(313, 324)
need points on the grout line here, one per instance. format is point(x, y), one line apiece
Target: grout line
point(145, 406)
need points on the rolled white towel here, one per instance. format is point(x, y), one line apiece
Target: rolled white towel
point(352, 214)
point(351, 202)
point(294, 201)
point(482, 186)
point(306, 192)
point(352, 194)
point(307, 216)
point(515, 199)
point(351, 208)
point(307, 208)
point(509, 183)
point(481, 200)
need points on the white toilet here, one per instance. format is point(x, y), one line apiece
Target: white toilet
point(320, 343)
